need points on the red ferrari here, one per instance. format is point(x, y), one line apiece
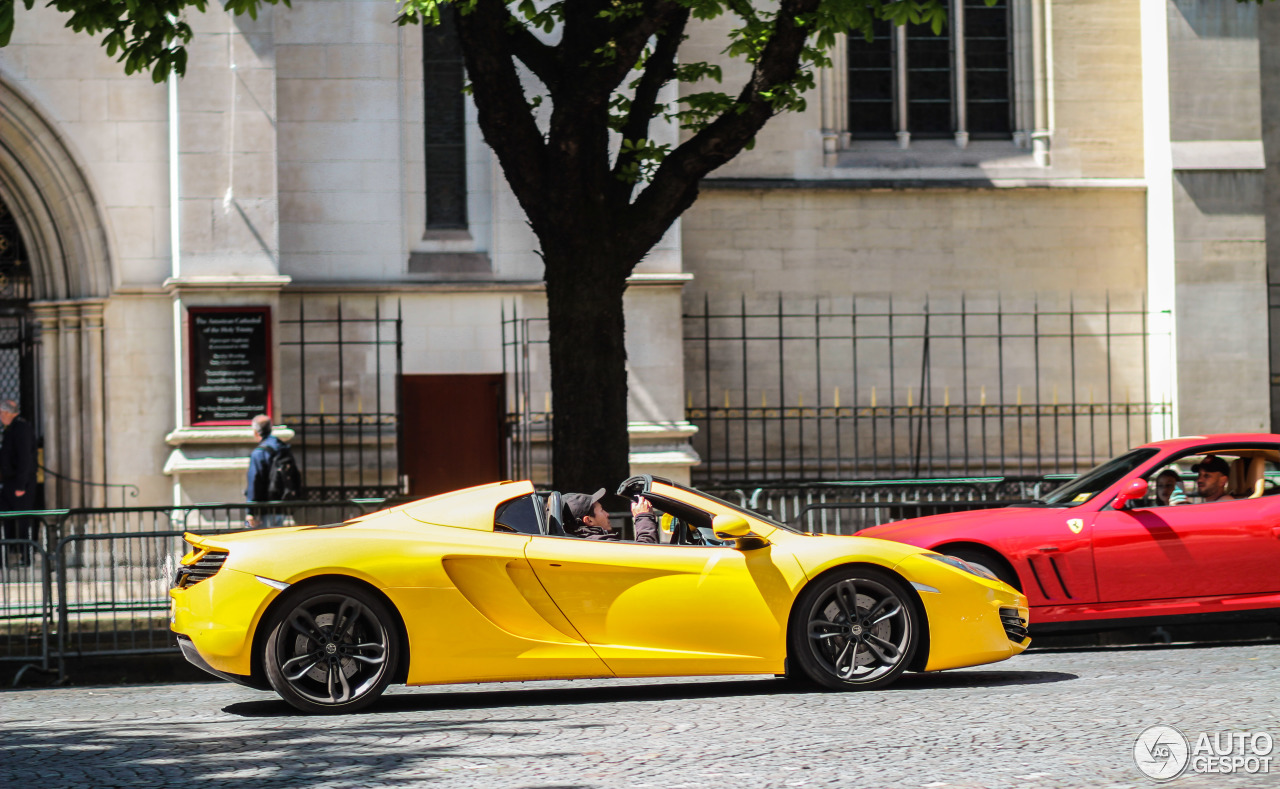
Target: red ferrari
point(1186, 528)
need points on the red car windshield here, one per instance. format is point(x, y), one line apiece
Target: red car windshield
point(1091, 483)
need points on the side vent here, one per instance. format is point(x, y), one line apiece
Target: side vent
point(206, 565)
point(1015, 627)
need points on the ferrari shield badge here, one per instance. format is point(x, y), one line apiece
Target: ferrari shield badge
point(1076, 525)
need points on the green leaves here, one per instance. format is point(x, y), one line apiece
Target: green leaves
point(639, 159)
point(6, 22)
point(700, 109)
point(545, 18)
point(144, 35)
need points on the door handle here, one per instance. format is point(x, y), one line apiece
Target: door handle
point(1275, 531)
point(1047, 549)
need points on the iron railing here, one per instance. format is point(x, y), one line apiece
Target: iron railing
point(783, 391)
point(862, 389)
point(344, 358)
point(90, 582)
point(849, 507)
point(526, 368)
point(96, 581)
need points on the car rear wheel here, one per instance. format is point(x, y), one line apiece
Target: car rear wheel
point(857, 629)
point(332, 648)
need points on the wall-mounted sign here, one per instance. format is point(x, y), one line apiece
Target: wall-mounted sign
point(230, 364)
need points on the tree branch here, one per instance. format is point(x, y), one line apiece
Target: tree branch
point(504, 114)
point(658, 71)
point(529, 49)
point(674, 186)
point(587, 37)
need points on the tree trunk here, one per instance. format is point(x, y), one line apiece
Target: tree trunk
point(585, 286)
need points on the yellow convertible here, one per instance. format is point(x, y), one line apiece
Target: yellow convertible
point(484, 584)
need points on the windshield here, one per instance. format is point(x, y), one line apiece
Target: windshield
point(1091, 483)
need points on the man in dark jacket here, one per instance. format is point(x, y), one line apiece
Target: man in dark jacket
point(18, 476)
point(260, 472)
point(591, 521)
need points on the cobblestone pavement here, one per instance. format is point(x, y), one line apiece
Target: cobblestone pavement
point(1065, 719)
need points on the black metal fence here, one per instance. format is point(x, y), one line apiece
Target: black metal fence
point(868, 389)
point(92, 582)
point(342, 360)
point(95, 582)
point(850, 507)
point(526, 369)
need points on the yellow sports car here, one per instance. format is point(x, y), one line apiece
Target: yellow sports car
point(484, 584)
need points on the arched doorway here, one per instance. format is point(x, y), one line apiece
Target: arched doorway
point(19, 349)
point(56, 276)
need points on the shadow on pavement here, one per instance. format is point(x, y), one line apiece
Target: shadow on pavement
point(165, 753)
point(419, 701)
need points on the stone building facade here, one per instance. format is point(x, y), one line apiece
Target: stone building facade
point(293, 169)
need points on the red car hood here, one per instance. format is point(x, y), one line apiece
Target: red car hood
point(973, 525)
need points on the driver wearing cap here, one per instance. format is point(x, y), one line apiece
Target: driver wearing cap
point(591, 521)
point(1212, 476)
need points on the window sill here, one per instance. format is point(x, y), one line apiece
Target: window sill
point(980, 156)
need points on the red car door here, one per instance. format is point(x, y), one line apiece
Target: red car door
point(1197, 550)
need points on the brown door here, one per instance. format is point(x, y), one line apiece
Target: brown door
point(450, 434)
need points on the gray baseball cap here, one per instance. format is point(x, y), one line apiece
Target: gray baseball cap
point(581, 504)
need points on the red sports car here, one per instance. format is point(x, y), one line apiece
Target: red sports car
point(1186, 528)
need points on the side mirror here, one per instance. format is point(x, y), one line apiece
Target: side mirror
point(1136, 490)
point(730, 527)
point(735, 527)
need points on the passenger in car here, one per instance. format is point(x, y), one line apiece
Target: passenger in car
point(1212, 475)
point(591, 521)
point(1169, 492)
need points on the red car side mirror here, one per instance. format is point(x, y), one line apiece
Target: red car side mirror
point(1136, 490)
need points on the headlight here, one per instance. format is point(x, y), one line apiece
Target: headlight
point(961, 564)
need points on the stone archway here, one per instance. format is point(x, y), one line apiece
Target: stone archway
point(62, 225)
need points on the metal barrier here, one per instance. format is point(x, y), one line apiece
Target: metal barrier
point(95, 582)
point(26, 602)
point(849, 507)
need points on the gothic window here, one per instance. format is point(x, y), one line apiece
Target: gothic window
point(908, 83)
point(445, 130)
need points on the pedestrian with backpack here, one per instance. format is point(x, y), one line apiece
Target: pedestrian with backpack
point(273, 475)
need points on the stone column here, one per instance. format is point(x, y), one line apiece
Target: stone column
point(71, 443)
point(93, 417)
point(834, 83)
point(51, 401)
point(1269, 77)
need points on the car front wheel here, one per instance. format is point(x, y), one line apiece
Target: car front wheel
point(857, 629)
point(331, 648)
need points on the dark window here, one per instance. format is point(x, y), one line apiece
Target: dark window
point(519, 515)
point(928, 83)
point(443, 76)
point(930, 67)
point(986, 44)
point(871, 109)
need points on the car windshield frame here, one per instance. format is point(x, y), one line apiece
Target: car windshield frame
point(744, 511)
point(1089, 484)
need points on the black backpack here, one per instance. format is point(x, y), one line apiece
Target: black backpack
point(284, 480)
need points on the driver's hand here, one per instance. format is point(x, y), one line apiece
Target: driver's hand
point(640, 506)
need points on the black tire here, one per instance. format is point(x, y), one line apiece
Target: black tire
point(854, 629)
point(986, 560)
point(331, 648)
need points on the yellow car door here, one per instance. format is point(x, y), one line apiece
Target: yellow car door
point(658, 610)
